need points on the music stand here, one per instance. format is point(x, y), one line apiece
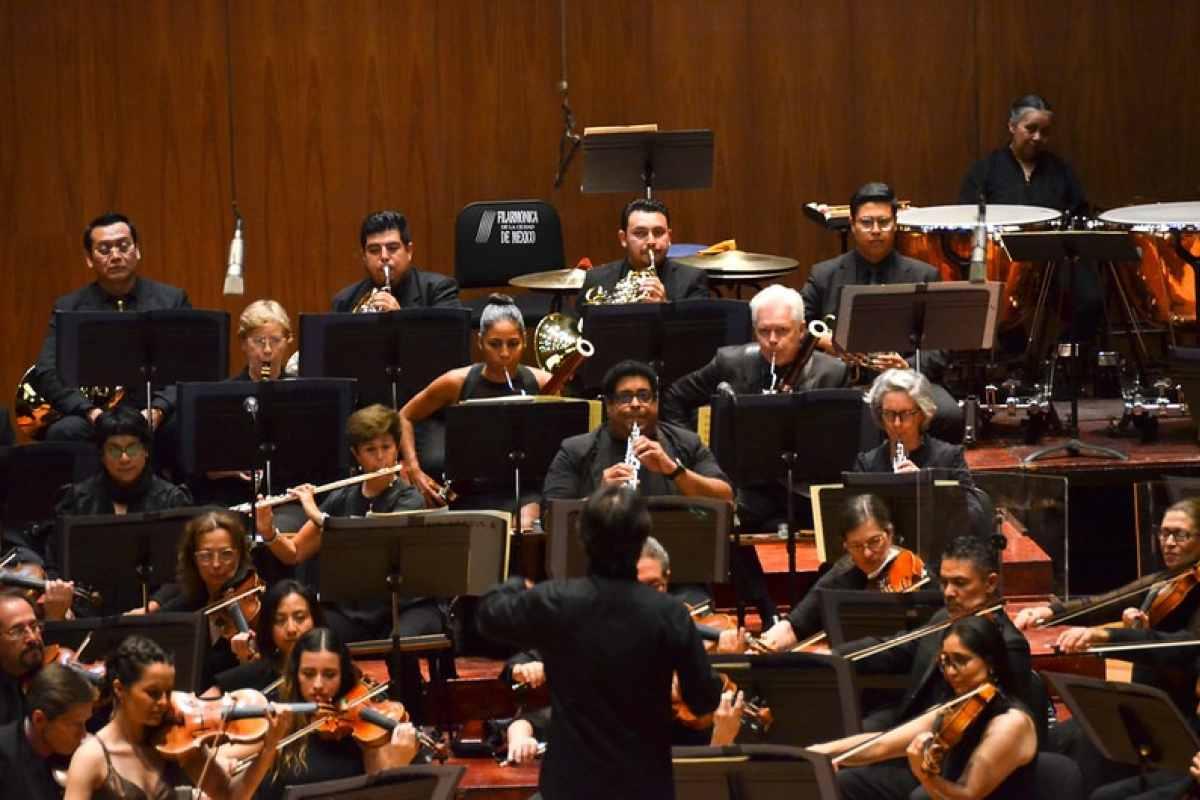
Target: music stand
point(33, 481)
point(1130, 723)
point(642, 161)
point(123, 557)
point(392, 356)
point(510, 439)
point(147, 348)
point(693, 530)
point(422, 782)
point(760, 438)
point(752, 772)
point(183, 636)
point(849, 615)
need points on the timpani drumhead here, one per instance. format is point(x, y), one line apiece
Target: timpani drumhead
point(1161, 216)
point(964, 217)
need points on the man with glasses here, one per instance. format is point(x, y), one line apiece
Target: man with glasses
point(391, 281)
point(112, 254)
point(21, 653)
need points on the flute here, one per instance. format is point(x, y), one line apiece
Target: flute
point(281, 499)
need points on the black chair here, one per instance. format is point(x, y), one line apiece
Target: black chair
point(752, 772)
point(33, 479)
point(495, 241)
point(406, 783)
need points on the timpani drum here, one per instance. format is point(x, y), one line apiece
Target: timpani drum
point(1168, 236)
point(942, 236)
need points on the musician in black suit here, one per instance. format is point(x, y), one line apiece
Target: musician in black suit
point(646, 226)
point(58, 707)
point(386, 242)
point(112, 252)
point(874, 260)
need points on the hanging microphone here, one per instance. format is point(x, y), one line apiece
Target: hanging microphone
point(234, 283)
point(250, 406)
point(978, 273)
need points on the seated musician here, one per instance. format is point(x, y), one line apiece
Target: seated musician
point(611, 646)
point(112, 253)
point(319, 670)
point(970, 575)
point(645, 228)
point(373, 434)
point(872, 562)
point(994, 757)
point(55, 603)
point(120, 761)
point(57, 708)
point(21, 653)
point(874, 260)
point(392, 282)
point(289, 610)
point(499, 374)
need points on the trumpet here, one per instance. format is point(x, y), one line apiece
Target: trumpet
point(631, 459)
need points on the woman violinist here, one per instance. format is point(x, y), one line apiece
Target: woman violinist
point(499, 374)
point(319, 670)
point(120, 761)
point(977, 748)
point(872, 562)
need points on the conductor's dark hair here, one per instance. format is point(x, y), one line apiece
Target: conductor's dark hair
point(646, 206)
point(1026, 103)
point(382, 221)
point(56, 688)
point(279, 591)
point(864, 508)
point(130, 659)
point(123, 421)
point(614, 525)
point(625, 369)
point(984, 638)
point(103, 221)
point(874, 192)
point(981, 553)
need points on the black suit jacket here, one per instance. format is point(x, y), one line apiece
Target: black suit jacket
point(22, 773)
point(680, 281)
point(823, 290)
point(610, 647)
point(743, 367)
point(417, 289)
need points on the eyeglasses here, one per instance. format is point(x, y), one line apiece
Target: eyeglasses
point(874, 543)
point(954, 661)
point(391, 247)
point(18, 632)
point(868, 223)
point(115, 451)
point(104, 249)
point(261, 342)
point(898, 416)
point(643, 396)
point(1178, 534)
point(226, 555)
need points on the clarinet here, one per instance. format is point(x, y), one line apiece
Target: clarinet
point(630, 458)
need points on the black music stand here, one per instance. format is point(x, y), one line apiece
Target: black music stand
point(146, 348)
point(1069, 248)
point(183, 636)
point(392, 356)
point(405, 783)
point(33, 479)
point(674, 338)
point(752, 772)
point(1130, 723)
point(637, 161)
point(849, 615)
point(123, 557)
point(693, 530)
point(769, 438)
point(515, 439)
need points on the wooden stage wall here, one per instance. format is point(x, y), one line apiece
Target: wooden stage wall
point(349, 106)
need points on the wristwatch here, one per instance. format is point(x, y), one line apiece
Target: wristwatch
point(679, 470)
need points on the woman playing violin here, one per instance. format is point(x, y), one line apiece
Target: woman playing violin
point(319, 671)
point(972, 750)
point(289, 610)
point(121, 761)
point(872, 561)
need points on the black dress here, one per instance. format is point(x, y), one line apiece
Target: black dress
point(325, 760)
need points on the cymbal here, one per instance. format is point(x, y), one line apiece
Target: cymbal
point(740, 261)
point(555, 280)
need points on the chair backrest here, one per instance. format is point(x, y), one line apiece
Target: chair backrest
point(36, 472)
point(752, 772)
point(495, 241)
point(406, 783)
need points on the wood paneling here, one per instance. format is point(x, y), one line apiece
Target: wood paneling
point(345, 107)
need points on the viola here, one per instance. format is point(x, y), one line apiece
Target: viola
point(239, 717)
point(756, 717)
point(951, 724)
point(905, 573)
point(1170, 596)
point(236, 608)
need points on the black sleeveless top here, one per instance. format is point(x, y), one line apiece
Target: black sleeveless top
point(1020, 784)
point(476, 386)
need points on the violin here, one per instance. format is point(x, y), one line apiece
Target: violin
point(57, 654)
point(905, 573)
point(24, 578)
point(368, 720)
point(1171, 595)
point(951, 724)
point(239, 717)
point(756, 717)
point(236, 608)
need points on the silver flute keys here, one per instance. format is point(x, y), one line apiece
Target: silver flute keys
point(900, 457)
point(774, 377)
point(631, 459)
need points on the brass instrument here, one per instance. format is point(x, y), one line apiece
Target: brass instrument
point(34, 413)
point(865, 366)
point(626, 290)
point(560, 349)
point(364, 306)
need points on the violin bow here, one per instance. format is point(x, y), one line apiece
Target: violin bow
point(904, 638)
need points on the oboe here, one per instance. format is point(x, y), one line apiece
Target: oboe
point(631, 458)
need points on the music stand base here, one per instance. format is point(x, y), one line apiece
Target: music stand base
point(1074, 447)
